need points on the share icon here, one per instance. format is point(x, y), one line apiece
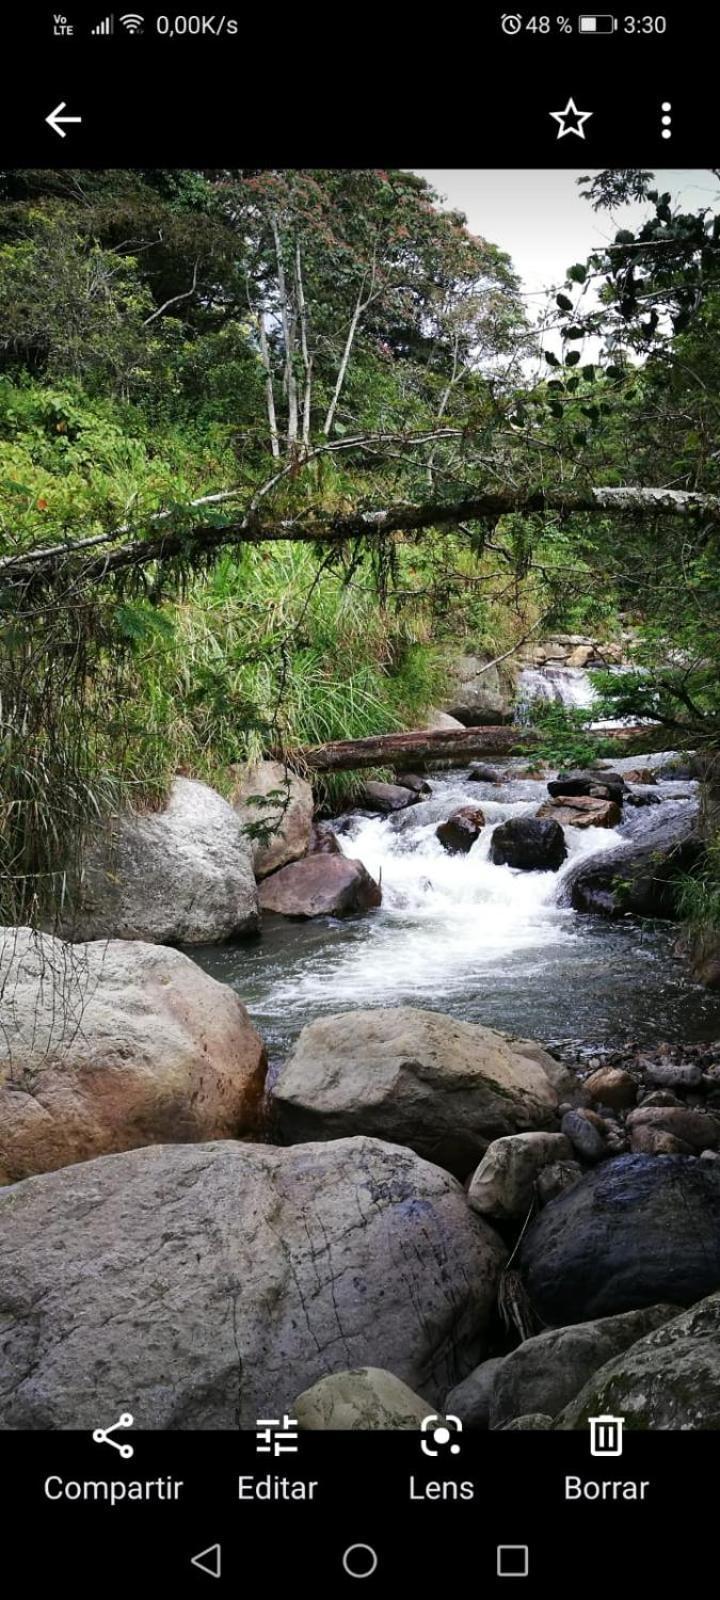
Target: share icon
point(102, 1435)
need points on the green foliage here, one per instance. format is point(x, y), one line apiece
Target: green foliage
point(564, 737)
point(183, 351)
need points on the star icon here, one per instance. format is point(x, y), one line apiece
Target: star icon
point(570, 120)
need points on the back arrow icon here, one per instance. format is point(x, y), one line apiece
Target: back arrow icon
point(55, 120)
point(208, 1561)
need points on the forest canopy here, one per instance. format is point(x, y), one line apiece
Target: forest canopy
point(273, 444)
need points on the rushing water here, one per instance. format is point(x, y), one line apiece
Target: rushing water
point(567, 686)
point(458, 934)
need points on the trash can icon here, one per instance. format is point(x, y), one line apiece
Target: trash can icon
point(606, 1436)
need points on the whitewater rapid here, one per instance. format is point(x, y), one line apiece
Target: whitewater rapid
point(445, 916)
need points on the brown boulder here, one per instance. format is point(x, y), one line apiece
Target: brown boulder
point(462, 828)
point(641, 775)
point(581, 811)
point(610, 1086)
point(697, 1129)
point(111, 1045)
point(278, 806)
point(320, 886)
point(581, 656)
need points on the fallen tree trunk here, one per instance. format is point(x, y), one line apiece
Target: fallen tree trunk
point(70, 562)
point(406, 752)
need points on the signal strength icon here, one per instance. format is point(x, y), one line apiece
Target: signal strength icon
point(105, 27)
point(132, 22)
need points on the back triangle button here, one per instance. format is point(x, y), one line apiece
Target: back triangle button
point(208, 1560)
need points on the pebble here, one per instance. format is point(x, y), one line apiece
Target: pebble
point(584, 1136)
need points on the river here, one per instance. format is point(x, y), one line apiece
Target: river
point(486, 943)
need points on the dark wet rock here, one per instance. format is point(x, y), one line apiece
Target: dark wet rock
point(552, 1180)
point(643, 797)
point(444, 1088)
point(598, 784)
point(533, 844)
point(481, 774)
point(415, 783)
point(584, 1136)
point(638, 1231)
point(320, 886)
point(545, 1373)
point(472, 1399)
point(386, 797)
point(640, 875)
point(668, 1379)
point(462, 828)
point(212, 1283)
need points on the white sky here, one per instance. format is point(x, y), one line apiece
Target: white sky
point(540, 218)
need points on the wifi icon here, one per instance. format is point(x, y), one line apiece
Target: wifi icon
point(132, 22)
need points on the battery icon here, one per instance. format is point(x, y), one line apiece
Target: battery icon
point(599, 23)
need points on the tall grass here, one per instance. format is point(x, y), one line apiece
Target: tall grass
point(272, 651)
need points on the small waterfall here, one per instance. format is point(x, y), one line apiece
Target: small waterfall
point(564, 686)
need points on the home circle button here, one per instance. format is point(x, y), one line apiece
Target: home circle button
point(360, 1561)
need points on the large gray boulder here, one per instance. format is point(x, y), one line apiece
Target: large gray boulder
point(480, 692)
point(111, 1045)
point(419, 1078)
point(277, 805)
point(210, 1284)
point(641, 874)
point(546, 1372)
point(669, 1379)
point(322, 885)
point(366, 1398)
point(638, 1231)
point(179, 876)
